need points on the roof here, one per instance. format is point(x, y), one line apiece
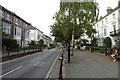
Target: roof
point(109, 13)
point(34, 28)
point(14, 14)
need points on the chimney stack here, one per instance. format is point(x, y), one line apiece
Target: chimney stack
point(109, 10)
point(118, 2)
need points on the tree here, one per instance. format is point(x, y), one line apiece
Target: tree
point(32, 44)
point(82, 16)
point(40, 43)
point(9, 44)
point(93, 44)
point(77, 43)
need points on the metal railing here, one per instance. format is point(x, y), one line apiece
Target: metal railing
point(116, 32)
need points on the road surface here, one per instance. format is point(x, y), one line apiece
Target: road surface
point(31, 66)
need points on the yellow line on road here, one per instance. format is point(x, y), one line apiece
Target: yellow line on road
point(51, 69)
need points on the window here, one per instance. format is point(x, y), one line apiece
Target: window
point(119, 14)
point(1, 14)
point(32, 31)
point(26, 34)
point(102, 22)
point(18, 31)
point(26, 25)
point(38, 37)
point(15, 31)
point(105, 32)
point(16, 21)
point(114, 28)
point(106, 20)
point(98, 34)
point(8, 17)
point(114, 16)
point(6, 28)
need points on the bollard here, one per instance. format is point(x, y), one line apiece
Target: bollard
point(61, 64)
point(60, 72)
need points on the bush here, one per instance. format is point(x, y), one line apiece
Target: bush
point(10, 43)
point(107, 42)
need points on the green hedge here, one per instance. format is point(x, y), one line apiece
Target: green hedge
point(10, 43)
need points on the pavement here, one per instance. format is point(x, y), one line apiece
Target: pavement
point(84, 65)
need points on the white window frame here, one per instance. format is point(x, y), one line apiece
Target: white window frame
point(26, 25)
point(6, 28)
point(113, 15)
point(105, 33)
point(106, 20)
point(16, 21)
point(15, 31)
point(8, 17)
point(1, 13)
point(102, 22)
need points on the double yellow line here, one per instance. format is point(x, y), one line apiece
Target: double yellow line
point(48, 75)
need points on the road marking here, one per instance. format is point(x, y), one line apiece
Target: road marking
point(35, 59)
point(11, 71)
point(51, 68)
point(39, 64)
point(36, 63)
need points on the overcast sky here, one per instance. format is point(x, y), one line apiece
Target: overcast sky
point(40, 12)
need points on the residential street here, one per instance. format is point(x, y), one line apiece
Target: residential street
point(32, 66)
point(85, 64)
point(60, 39)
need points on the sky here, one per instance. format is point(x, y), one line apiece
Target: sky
point(40, 12)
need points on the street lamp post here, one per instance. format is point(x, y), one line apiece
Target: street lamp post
point(69, 33)
point(72, 41)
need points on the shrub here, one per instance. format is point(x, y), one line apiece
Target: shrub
point(107, 42)
point(10, 43)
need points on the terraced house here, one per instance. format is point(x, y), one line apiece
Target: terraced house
point(17, 28)
point(14, 27)
point(35, 34)
point(108, 25)
point(7, 21)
